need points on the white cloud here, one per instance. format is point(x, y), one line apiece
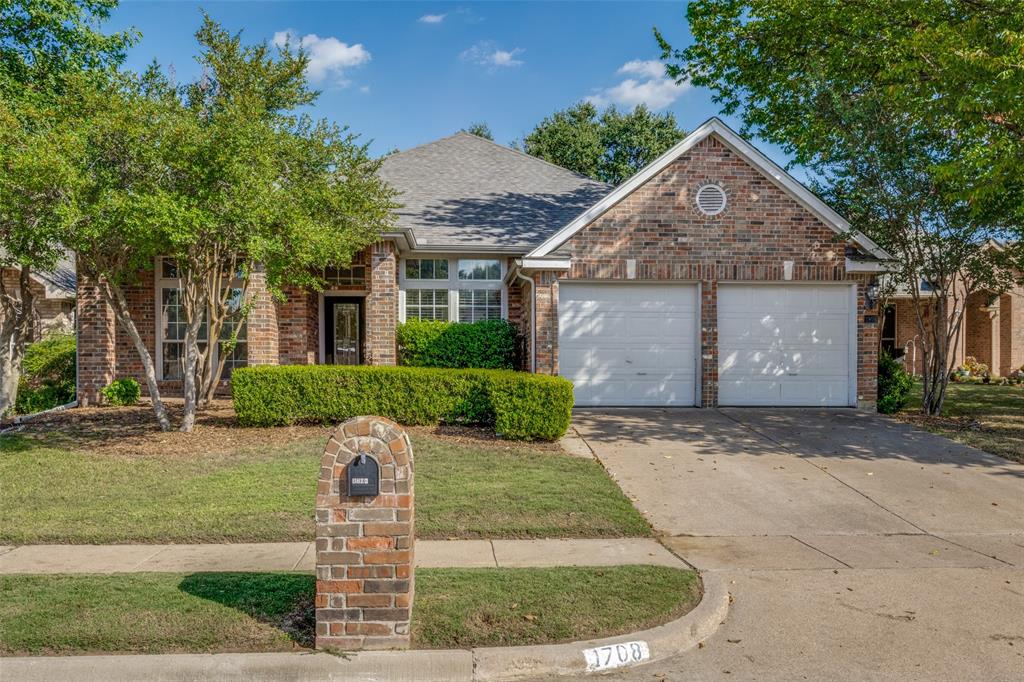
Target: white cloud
point(486, 53)
point(650, 86)
point(432, 18)
point(327, 56)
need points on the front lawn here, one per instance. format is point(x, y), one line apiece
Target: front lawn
point(222, 612)
point(257, 485)
point(987, 417)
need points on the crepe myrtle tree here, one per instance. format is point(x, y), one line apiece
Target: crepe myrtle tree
point(260, 188)
point(42, 44)
point(910, 114)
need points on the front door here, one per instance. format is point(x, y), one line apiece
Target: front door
point(342, 331)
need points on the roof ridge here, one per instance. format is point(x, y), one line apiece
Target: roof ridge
point(506, 148)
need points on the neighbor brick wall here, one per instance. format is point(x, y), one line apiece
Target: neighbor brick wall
point(1011, 330)
point(382, 305)
point(50, 314)
point(659, 227)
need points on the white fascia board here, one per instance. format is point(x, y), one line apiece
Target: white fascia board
point(545, 263)
point(746, 150)
point(867, 266)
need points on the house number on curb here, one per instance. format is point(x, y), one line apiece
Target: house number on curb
point(616, 655)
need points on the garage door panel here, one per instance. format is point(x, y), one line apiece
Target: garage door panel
point(784, 345)
point(628, 344)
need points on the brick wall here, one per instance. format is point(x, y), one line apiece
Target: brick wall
point(659, 227)
point(1011, 331)
point(96, 345)
point(382, 305)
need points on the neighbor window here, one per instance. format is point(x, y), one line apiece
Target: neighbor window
point(479, 304)
point(426, 304)
point(480, 269)
point(426, 268)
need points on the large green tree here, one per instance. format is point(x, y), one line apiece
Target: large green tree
point(910, 112)
point(256, 188)
point(609, 146)
point(43, 43)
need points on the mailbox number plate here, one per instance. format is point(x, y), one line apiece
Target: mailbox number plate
point(616, 655)
point(363, 474)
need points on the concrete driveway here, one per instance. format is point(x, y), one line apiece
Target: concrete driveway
point(855, 546)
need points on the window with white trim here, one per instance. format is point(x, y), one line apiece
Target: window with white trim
point(479, 304)
point(171, 326)
point(426, 268)
point(455, 289)
point(426, 304)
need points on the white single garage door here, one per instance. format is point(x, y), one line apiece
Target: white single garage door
point(786, 344)
point(628, 344)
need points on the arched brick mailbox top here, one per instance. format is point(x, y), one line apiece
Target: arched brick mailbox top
point(387, 442)
point(364, 544)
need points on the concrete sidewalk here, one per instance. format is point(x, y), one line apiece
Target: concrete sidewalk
point(300, 556)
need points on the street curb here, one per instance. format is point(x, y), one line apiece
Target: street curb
point(663, 641)
point(490, 664)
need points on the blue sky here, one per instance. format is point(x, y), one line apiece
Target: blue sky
point(403, 73)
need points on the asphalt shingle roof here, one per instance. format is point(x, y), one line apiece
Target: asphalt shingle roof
point(464, 191)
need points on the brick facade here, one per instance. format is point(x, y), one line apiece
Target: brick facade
point(279, 331)
point(994, 330)
point(660, 230)
point(365, 545)
point(52, 315)
point(381, 308)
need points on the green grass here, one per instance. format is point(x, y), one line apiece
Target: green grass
point(50, 494)
point(221, 612)
point(987, 417)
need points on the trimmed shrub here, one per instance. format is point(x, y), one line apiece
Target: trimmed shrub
point(47, 374)
point(894, 385)
point(122, 392)
point(490, 344)
point(518, 405)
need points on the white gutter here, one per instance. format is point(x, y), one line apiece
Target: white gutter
point(546, 263)
point(867, 266)
point(533, 321)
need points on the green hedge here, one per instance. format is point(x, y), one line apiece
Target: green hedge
point(491, 344)
point(518, 405)
point(47, 374)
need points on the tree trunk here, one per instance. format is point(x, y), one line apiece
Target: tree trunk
point(115, 298)
point(194, 304)
point(16, 317)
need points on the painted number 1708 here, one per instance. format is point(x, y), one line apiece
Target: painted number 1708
point(616, 655)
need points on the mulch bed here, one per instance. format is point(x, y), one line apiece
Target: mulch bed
point(133, 432)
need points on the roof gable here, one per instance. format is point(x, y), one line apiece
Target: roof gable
point(745, 150)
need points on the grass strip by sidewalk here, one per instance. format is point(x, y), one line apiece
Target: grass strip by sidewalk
point(54, 495)
point(240, 612)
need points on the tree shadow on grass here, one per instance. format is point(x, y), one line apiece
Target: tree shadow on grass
point(281, 600)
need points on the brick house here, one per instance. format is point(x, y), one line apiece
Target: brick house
point(54, 293)
point(711, 277)
point(993, 330)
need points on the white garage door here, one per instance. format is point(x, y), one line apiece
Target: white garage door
point(784, 345)
point(628, 344)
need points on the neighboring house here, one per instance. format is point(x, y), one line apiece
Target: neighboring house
point(710, 278)
point(993, 330)
point(54, 297)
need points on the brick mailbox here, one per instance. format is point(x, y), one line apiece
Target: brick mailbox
point(364, 537)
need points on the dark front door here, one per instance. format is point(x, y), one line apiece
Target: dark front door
point(343, 331)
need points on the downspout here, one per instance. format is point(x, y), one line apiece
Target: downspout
point(533, 320)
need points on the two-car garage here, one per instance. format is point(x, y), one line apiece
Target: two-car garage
point(779, 344)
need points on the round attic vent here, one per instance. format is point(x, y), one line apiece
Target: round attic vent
point(711, 199)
